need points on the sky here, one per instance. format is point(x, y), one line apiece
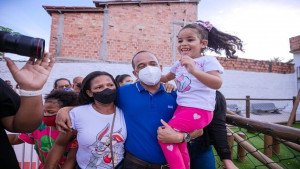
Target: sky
point(264, 26)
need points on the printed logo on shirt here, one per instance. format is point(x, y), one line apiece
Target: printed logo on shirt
point(183, 83)
point(170, 107)
point(100, 149)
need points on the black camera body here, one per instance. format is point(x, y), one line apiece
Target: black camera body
point(22, 45)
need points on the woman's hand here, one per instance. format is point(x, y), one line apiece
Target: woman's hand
point(169, 87)
point(34, 73)
point(63, 122)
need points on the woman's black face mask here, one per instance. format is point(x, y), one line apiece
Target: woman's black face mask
point(106, 96)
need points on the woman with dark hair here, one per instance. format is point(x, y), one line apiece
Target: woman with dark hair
point(123, 79)
point(98, 124)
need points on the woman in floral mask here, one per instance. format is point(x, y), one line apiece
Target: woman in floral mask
point(44, 137)
point(98, 124)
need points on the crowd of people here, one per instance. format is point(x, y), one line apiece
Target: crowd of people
point(104, 122)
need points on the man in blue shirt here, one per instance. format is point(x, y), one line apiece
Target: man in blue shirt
point(144, 104)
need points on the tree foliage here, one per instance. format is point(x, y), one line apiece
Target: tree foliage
point(8, 30)
point(290, 61)
point(276, 59)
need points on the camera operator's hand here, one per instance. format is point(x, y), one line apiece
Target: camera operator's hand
point(34, 74)
point(31, 79)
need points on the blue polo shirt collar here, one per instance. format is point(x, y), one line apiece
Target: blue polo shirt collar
point(140, 87)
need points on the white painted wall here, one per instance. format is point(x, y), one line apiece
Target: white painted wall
point(297, 64)
point(237, 84)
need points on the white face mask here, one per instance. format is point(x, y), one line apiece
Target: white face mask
point(150, 75)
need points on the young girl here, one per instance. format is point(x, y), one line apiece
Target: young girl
point(197, 78)
point(44, 137)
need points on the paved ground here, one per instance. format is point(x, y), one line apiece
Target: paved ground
point(273, 118)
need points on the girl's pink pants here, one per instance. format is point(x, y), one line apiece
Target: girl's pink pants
point(185, 119)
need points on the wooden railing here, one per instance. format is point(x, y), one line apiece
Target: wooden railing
point(274, 134)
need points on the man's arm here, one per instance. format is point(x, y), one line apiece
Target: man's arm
point(63, 121)
point(31, 78)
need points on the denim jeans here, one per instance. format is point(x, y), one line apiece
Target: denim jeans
point(203, 159)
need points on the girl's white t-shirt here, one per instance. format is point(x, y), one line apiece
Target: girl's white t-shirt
point(93, 131)
point(190, 91)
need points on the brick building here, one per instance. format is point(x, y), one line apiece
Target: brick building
point(113, 31)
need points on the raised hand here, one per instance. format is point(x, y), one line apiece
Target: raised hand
point(34, 74)
point(188, 63)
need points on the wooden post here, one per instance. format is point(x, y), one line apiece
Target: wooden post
point(241, 153)
point(230, 140)
point(294, 101)
point(247, 106)
point(268, 141)
point(293, 113)
point(276, 146)
point(248, 112)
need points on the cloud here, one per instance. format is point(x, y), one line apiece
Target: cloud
point(264, 27)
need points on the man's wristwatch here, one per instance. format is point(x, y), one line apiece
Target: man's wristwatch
point(186, 137)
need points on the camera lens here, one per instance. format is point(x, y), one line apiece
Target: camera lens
point(22, 45)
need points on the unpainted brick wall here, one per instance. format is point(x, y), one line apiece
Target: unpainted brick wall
point(132, 28)
point(82, 33)
point(295, 43)
point(256, 65)
point(147, 27)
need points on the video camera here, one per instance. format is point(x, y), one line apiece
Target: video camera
point(22, 45)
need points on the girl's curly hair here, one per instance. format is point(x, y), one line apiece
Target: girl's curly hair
point(64, 98)
point(217, 40)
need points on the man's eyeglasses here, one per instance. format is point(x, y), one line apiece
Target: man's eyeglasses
point(63, 86)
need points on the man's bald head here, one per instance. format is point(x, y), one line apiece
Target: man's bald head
point(133, 61)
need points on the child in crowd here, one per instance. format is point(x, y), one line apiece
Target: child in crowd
point(44, 137)
point(197, 78)
point(123, 79)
